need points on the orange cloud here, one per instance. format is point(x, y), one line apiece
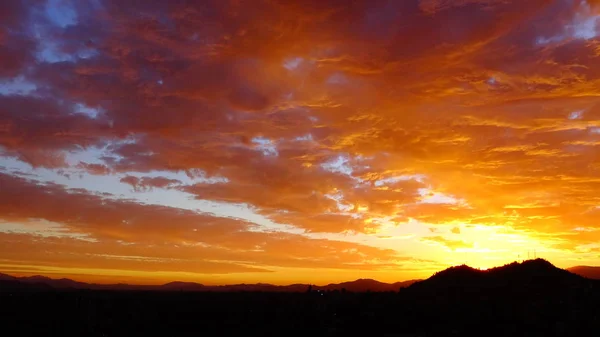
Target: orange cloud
point(315, 125)
point(451, 244)
point(104, 233)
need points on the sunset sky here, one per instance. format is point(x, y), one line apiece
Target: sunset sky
point(279, 141)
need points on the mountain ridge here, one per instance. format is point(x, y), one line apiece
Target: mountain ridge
point(526, 273)
point(359, 285)
point(530, 298)
point(538, 276)
point(591, 272)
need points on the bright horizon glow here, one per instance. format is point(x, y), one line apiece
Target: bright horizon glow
point(211, 143)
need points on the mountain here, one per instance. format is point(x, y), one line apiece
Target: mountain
point(531, 298)
point(15, 285)
point(35, 279)
point(63, 283)
point(586, 271)
point(361, 285)
point(5, 277)
point(405, 284)
point(43, 282)
point(182, 286)
point(535, 274)
point(538, 274)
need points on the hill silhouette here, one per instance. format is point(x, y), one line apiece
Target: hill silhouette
point(45, 283)
point(366, 285)
point(532, 295)
point(531, 298)
point(537, 273)
point(531, 273)
point(4, 277)
point(183, 286)
point(586, 271)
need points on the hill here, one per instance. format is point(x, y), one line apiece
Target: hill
point(34, 282)
point(536, 273)
point(6, 277)
point(532, 298)
point(183, 286)
point(539, 274)
point(533, 295)
point(586, 271)
point(362, 285)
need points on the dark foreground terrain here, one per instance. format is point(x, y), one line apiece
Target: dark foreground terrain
point(528, 299)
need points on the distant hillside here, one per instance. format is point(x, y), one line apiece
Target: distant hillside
point(532, 298)
point(362, 285)
point(5, 277)
point(14, 285)
point(44, 283)
point(586, 271)
point(183, 286)
point(531, 274)
point(538, 274)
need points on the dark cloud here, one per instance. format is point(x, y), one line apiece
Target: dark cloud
point(15, 48)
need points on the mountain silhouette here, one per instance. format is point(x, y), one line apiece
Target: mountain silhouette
point(527, 274)
point(183, 286)
point(586, 271)
point(537, 274)
point(530, 298)
point(6, 277)
point(360, 285)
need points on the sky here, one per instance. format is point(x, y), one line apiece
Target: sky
point(232, 141)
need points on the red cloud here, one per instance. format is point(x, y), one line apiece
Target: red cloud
point(96, 169)
point(493, 103)
point(15, 48)
point(126, 228)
